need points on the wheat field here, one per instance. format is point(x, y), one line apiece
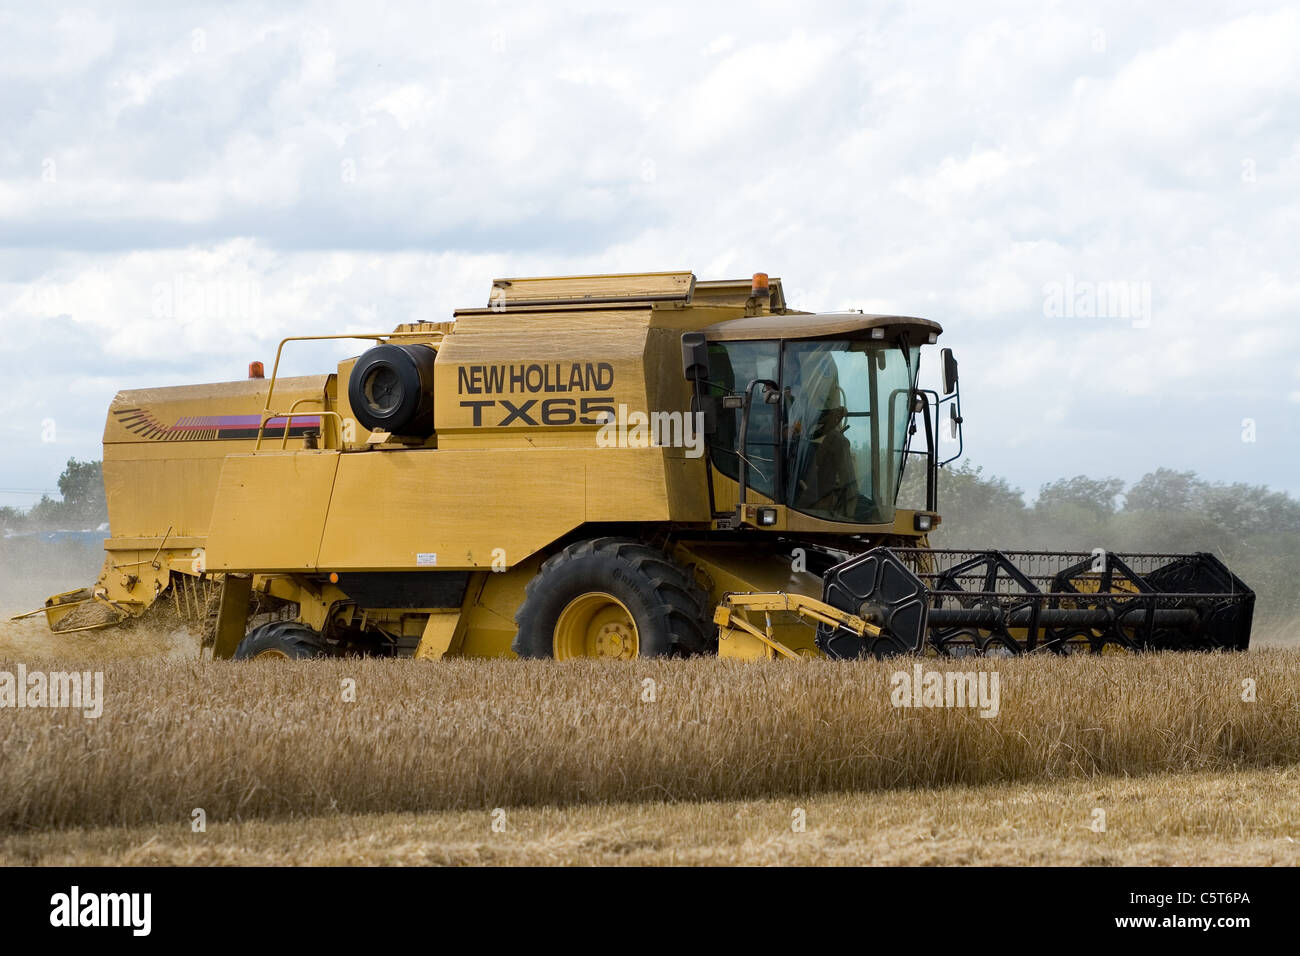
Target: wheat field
point(280, 741)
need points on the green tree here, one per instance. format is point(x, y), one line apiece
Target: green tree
point(82, 505)
point(82, 488)
point(979, 511)
point(1095, 495)
point(1165, 490)
point(12, 519)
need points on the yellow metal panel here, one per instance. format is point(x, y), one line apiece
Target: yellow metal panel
point(269, 511)
point(489, 618)
point(736, 293)
point(684, 478)
point(741, 567)
point(130, 576)
point(735, 644)
point(180, 415)
point(449, 509)
point(232, 615)
point(439, 633)
point(432, 503)
point(642, 285)
point(402, 509)
point(118, 543)
point(164, 449)
point(544, 375)
point(147, 495)
point(625, 484)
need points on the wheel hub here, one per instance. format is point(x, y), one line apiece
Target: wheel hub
point(597, 625)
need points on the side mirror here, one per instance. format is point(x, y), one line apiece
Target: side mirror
point(771, 395)
point(695, 357)
point(954, 421)
point(949, 371)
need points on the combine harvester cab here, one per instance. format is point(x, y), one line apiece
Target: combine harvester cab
point(598, 466)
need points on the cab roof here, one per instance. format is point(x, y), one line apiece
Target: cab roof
point(816, 325)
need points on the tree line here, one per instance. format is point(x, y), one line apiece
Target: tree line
point(80, 505)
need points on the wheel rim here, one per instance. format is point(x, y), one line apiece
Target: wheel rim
point(595, 625)
point(1112, 649)
point(271, 654)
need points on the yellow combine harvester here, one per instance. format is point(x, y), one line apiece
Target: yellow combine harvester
point(597, 466)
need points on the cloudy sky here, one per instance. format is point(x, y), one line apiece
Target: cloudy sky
point(1100, 204)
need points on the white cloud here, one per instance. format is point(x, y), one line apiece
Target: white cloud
point(955, 179)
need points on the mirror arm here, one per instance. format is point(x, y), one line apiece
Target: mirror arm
point(742, 437)
point(932, 467)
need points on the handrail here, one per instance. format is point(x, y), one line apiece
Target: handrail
point(288, 421)
point(288, 417)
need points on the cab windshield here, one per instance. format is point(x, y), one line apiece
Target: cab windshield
point(832, 446)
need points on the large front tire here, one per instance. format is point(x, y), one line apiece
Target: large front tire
point(281, 640)
point(612, 598)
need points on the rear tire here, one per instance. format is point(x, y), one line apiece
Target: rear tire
point(612, 597)
point(283, 640)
